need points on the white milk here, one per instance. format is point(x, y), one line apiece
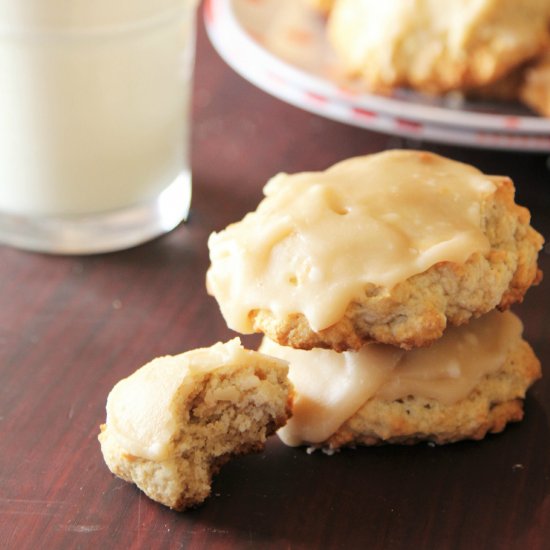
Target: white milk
point(93, 102)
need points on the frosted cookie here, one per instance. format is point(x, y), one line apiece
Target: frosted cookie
point(173, 423)
point(469, 383)
point(389, 247)
point(433, 46)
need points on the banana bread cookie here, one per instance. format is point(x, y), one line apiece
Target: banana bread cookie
point(389, 247)
point(535, 90)
point(435, 46)
point(469, 383)
point(173, 423)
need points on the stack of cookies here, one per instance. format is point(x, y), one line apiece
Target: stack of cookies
point(381, 286)
point(385, 282)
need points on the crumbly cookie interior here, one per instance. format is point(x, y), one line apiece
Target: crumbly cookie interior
point(231, 410)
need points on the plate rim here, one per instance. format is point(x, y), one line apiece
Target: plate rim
point(330, 100)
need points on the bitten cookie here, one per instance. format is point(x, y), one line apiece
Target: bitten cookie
point(435, 46)
point(173, 423)
point(469, 383)
point(389, 247)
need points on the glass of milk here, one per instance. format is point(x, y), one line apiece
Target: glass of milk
point(94, 122)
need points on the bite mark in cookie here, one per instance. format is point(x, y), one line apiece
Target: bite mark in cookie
point(173, 423)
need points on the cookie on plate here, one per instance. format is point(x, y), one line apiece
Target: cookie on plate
point(469, 383)
point(506, 89)
point(529, 84)
point(436, 47)
point(535, 91)
point(390, 247)
point(173, 423)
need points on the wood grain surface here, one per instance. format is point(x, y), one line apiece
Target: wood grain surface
point(70, 327)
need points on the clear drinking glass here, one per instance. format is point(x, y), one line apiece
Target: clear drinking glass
point(94, 122)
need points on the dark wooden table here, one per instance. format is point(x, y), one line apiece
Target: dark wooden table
point(70, 327)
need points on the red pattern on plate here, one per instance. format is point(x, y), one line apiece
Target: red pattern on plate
point(359, 112)
point(512, 122)
point(409, 125)
point(315, 97)
point(209, 11)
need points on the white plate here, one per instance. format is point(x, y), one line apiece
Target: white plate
point(280, 46)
